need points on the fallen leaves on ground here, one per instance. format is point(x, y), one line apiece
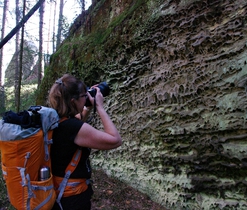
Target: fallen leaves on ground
point(112, 194)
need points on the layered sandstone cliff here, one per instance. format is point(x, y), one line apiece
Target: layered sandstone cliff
point(178, 74)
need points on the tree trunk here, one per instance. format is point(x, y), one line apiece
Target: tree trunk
point(54, 28)
point(47, 53)
point(60, 23)
point(5, 8)
point(82, 4)
point(21, 61)
point(2, 93)
point(17, 49)
point(41, 16)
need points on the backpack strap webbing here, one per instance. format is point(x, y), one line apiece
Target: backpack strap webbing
point(68, 171)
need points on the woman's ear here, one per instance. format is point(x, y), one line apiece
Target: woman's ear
point(72, 101)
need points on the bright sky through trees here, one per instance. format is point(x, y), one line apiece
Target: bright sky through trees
point(71, 11)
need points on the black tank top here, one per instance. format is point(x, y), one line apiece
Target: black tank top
point(63, 149)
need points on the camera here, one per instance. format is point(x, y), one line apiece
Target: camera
point(104, 89)
point(35, 117)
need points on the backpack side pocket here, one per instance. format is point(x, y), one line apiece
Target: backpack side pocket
point(44, 195)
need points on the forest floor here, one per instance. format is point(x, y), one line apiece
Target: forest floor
point(109, 194)
point(112, 194)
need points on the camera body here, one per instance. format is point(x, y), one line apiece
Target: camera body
point(104, 89)
point(35, 117)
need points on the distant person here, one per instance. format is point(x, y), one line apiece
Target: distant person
point(68, 97)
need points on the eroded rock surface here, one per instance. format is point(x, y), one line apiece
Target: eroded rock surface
point(178, 73)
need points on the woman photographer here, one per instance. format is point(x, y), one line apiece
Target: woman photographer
point(68, 96)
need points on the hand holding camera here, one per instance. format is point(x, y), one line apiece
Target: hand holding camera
point(96, 93)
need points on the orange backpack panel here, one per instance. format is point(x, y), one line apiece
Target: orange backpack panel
point(21, 162)
point(22, 158)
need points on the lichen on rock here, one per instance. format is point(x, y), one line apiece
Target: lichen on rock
point(178, 77)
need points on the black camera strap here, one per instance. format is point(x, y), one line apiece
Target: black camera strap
point(94, 106)
point(94, 111)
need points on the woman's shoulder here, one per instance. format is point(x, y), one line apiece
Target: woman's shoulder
point(70, 119)
point(70, 123)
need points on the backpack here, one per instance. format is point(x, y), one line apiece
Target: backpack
point(25, 140)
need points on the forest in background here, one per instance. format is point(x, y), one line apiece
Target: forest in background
point(31, 32)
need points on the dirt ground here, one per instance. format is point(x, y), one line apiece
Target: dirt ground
point(111, 194)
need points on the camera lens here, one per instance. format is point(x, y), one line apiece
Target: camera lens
point(104, 89)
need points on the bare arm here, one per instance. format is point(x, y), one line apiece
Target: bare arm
point(90, 137)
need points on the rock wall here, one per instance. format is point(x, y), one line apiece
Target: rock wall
point(29, 67)
point(178, 74)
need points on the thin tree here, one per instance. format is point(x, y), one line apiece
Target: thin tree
point(2, 93)
point(82, 4)
point(41, 20)
point(17, 49)
point(5, 8)
point(60, 23)
point(21, 60)
point(46, 56)
point(54, 28)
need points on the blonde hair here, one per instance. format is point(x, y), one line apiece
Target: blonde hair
point(61, 93)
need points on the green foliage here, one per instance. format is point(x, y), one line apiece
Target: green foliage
point(101, 36)
point(65, 27)
point(28, 97)
point(99, 4)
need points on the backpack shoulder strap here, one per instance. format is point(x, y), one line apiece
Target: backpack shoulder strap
point(74, 162)
point(68, 171)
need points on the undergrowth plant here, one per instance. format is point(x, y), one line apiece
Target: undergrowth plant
point(28, 97)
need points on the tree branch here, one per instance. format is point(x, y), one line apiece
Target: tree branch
point(21, 23)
